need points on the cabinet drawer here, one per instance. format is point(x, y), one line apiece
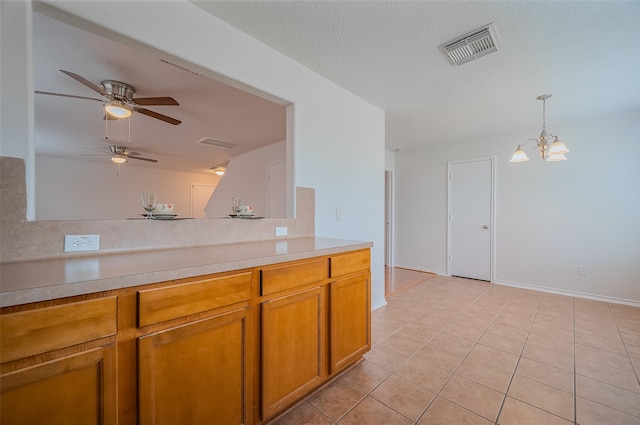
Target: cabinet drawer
point(27, 333)
point(161, 304)
point(281, 278)
point(352, 262)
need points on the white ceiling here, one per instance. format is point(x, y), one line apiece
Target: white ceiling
point(587, 54)
point(69, 127)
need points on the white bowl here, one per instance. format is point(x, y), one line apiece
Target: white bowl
point(163, 209)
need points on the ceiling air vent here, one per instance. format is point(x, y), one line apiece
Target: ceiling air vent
point(210, 141)
point(471, 46)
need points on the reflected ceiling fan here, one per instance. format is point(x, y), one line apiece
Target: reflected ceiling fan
point(120, 102)
point(119, 154)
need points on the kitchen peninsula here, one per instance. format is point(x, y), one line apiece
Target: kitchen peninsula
point(229, 333)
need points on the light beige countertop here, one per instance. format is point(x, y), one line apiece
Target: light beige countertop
point(31, 281)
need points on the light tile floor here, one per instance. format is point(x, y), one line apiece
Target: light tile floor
point(451, 351)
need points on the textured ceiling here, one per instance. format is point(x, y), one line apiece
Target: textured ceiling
point(587, 54)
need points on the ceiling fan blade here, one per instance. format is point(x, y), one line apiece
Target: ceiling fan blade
point(158, 116)
point(84, 81)
point(97, 150)
point(95, 154)
point(67, 95)
point(160, 101)
point(141, 158)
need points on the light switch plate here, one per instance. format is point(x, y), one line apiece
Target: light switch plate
point(281, 231)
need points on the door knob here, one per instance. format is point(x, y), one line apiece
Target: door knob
point(486, 226)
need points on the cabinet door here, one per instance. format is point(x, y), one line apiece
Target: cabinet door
point(292, 348)
point(75, 390)
point(350, 320)
point(196, 373)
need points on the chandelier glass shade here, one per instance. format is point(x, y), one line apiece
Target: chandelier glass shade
point(550, 148)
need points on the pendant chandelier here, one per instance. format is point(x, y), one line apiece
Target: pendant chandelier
point(550, 148)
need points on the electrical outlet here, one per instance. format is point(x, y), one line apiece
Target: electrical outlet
point(582, 270)
point(79, 243)
point(281, 231)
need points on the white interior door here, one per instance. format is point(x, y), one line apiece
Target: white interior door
point(471, 218)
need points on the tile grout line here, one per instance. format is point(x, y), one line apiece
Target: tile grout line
point(451, 316)
point(437, 394)
point(635, 372)
point(467, 356)
point(513, 375)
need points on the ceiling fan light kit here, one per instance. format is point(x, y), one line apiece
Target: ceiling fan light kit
point(551, 149)
point(117, 109)
point(120, 154)
point(121, 102)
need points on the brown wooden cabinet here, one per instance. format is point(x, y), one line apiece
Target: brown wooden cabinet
point(315, 322)
point(196, 373)
point(234, 348)
point(350, 309)
point(59, 364)
point(194, 366)
point(350, 330)
point(293, 349)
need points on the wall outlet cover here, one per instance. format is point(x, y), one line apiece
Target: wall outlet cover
point(81, 243)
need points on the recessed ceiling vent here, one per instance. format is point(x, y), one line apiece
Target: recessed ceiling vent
point(471, 46)
point(210, 141)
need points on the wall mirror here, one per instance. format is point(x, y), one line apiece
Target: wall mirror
point(166, 148)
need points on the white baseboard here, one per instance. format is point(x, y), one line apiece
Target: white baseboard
point(378, 304)
point(421, 270)
point(602, 298)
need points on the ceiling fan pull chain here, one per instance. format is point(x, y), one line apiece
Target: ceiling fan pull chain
point(106, 128)
point(129, 130)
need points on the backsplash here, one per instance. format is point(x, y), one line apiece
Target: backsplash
point(22, 240)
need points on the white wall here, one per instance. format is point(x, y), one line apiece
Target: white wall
point(550, 217)
point(246, 177)
point(337, 139)
point(72, 189)
point(16, 85)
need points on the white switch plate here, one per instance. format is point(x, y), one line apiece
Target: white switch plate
point(582, 271)
point(281, 231)
point(79, 243)
point(338, 214)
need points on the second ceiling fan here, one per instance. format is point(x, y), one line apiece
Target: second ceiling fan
point(120, 102)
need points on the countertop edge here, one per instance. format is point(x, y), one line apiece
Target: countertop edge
point(265, 252)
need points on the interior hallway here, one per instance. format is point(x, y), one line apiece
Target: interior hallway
point(455, 351)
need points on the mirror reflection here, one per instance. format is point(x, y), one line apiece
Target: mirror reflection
point(194, 140)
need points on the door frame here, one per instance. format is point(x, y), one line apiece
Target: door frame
point(388, 207)
point(492, 245)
